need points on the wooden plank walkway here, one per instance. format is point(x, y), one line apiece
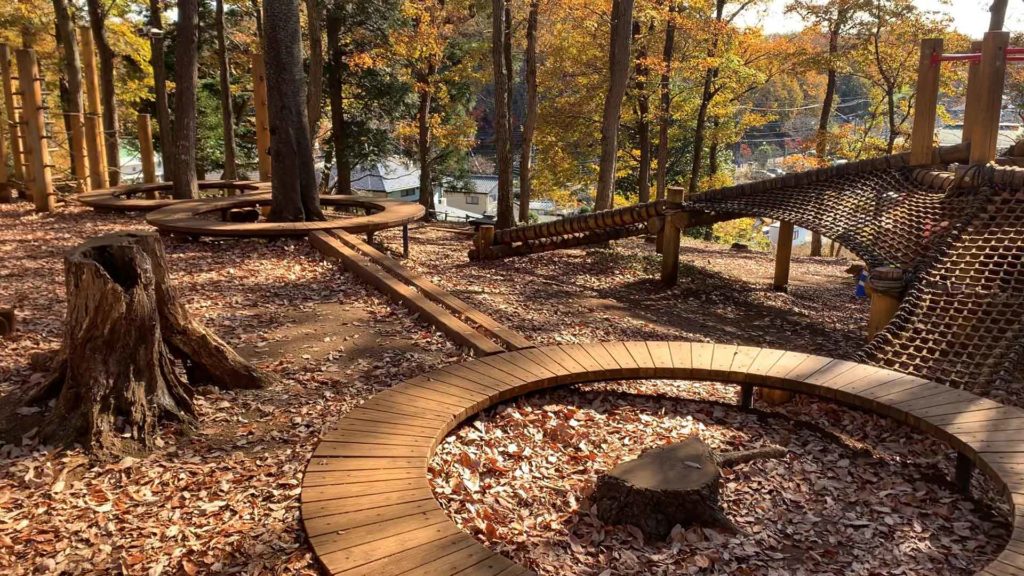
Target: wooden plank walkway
point(466, 325)
point(368, 508)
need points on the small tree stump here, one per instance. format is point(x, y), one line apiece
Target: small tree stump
point(115, 377)
point(8, 321)
point(674, 484)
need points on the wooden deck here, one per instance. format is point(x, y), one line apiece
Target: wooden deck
point(132, 197)
point(464, 324)
point(368, 509)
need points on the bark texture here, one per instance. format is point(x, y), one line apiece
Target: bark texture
point(315, 94)
point(115, 379)
point(72, 63)
point(665, 103)
point(227, 111)
point(502, 132)
point(424, 144)
point(108, 92)
point(675, 484)
point(618, 68)
point(339, 127)
point(643, 107)
point(295, 195)
point(530, 121)
point(186, 80)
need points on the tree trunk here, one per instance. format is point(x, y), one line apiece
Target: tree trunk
point(674, 484)
point(108, 92)
point(336, 100)
point(163, 113)
point(316, 68)
point(115, 378)
point(258, 15)
point(530, 122)
point(227, 111)
point(186, 80)
point(68, 40)
point(998, 17)
point(295, 196)
point(713, 148)
point(821, 143)
point(665, 111)
point(702, 111)
point(502, 137)
point(423, 142)
point(643, 119)
point(618, 68)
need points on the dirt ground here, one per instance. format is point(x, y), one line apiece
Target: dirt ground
point(224, 498)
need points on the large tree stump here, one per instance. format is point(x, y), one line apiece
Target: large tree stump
point(116, 374)
point(674, 484)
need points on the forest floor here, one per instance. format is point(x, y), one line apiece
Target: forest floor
point(856, 495)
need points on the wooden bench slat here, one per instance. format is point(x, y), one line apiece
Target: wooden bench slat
point(502, 365)
point(347, 505)
point(742, 361)
point(362, 554)
point(660, 353)
point(359, 476)
point(338, 522)
point(640, 354)
point(603, 358)
point(376, 438)
point(700, 357)
point(618, 352)
point(682, 356)
point(341, 464)
point(559, 355)
point(581, 356)
point(764, 362)
point(471, 561)
point(344, 539)
point(382, 427)
point(407, 561)
point(722, 358)
point(330, 492)
point(359, 450)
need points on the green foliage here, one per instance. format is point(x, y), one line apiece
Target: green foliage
point(742, 230)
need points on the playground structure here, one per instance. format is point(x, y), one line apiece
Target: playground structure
point(956, 235)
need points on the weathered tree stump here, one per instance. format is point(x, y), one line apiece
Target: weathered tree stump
point(115, 376)
point(674, 484)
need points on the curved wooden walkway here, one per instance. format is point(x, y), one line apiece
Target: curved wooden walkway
point(369, 510)
point(188, 217)
point(127, 198)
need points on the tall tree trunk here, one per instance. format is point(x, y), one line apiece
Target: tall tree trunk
point(163, 113)
point(530, 122)
point(227, 111)
point(618, 68)
point(998, 18)
point(665, 108)
point(424, 141)
point(68, 40)
point(502, 137)
point(339, 128)
point(108, 92)
point(643, 118)
point(713, 148)
point(821, 143)
point(186, 79)
point(295, 195)
point(316, 67)
point(702, 111)
point(257, 10)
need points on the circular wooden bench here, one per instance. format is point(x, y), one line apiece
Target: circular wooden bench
point(128, 198)
point(368, 508)
point(187, 217)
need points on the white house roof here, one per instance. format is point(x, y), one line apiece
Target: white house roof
point(390, 175)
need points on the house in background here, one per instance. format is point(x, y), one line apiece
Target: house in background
point(801, 236)
point(392, 178)
point(479, 198)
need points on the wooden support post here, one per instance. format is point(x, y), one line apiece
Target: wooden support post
point(885, 285)
point(484, 240)
point(992, 73)
point(146, 153)
point(36, 147)
point(747, 396)
point(405, 240)
point(259, 97)
point(6, 193)
point(922, 139)
point(98, 177)
point(773, 397)
point(8, 321)
point(13, 117)
point(972, 100)
point(964, 471)
point(669, 237)
point(783, 254)
point(79, 157)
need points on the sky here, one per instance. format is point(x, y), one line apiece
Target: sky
point(969, 16)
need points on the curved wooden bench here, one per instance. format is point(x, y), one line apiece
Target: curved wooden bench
point(185, 217)
point(369, 510)
point(125, 198)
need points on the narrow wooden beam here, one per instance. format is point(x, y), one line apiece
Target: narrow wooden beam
point(79, 156)
point(783, 254)
point(146, 153)
point(6, 193)
point(36, 147)
point(98, 177)
point(922, 139)
point(13, 117)
point(972, 99)
point(964, 471)
point(984, 135)
point(670, 237)
point(259, 97)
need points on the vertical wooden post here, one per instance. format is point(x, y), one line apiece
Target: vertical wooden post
point(992, 73)
point(783, 254)
point(36, 145)
point(13, 117)
point(922, 139)
point(971, 102)
point(484, 239)
point(146, 152)
point(670, 237)
point(259, 97)
point(6, 194)
point(98, 177)
point(76, 142)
